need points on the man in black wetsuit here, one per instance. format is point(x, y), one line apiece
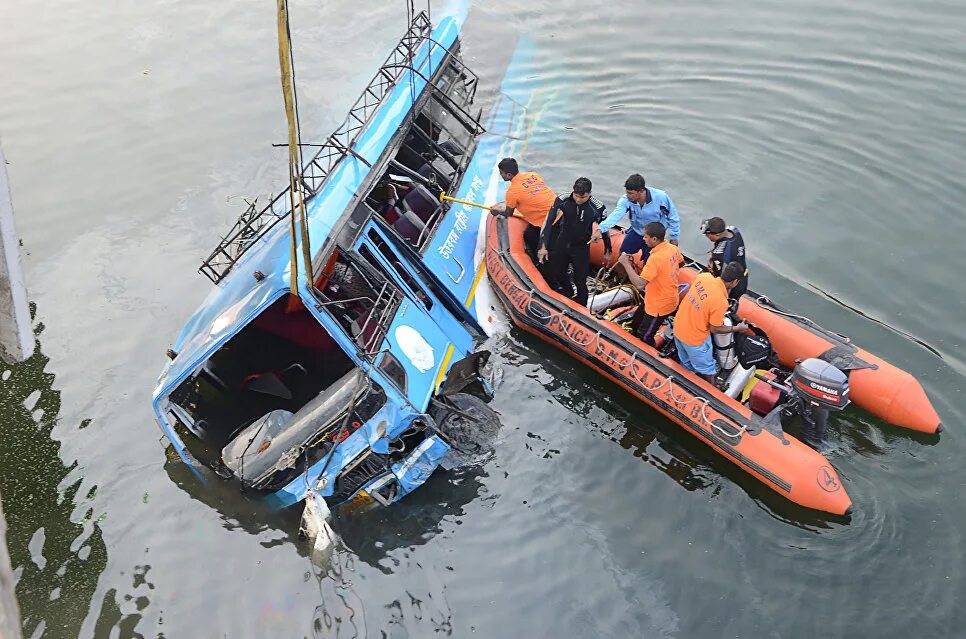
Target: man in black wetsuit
point(729, 246)
point(567, 231)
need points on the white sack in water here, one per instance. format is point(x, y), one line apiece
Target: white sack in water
point(315, 524)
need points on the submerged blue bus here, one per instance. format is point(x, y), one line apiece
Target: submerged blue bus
point(354, 388)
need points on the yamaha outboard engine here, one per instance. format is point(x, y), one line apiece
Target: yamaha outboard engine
point(820, 387)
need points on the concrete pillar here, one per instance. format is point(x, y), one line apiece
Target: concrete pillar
point(9, 612)
point(16, 335)
point(16, 344)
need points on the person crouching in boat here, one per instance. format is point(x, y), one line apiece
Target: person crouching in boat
point(658, 280)
point(565, 239)
point(729, 246)
point(702, 312)
point(528, 195)
point(643, 205)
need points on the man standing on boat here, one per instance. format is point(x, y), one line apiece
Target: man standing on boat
point(571, 222)
point(528, 195)
point(729, 246)
point(658, 280)
point(643, 205)
point(701, 313)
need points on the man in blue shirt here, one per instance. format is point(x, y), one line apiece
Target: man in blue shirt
point(643, 205)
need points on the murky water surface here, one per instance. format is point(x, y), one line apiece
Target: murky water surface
point(831, 134)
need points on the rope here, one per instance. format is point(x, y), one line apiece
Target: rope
point(586, 344)
point(617, 363)
point(634, 375)
point(704, 411)
point(429, 18)
point(295, 95)
point(284, 62)
point(560, 315)
point(529, 294)
point(669, 380)
point(287, 73)
point(763, 300)
point(525, 290)
point(410, 17)
point(300, 162)
point(596, 338)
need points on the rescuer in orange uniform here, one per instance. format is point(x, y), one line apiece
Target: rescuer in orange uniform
point(702, 312)
point(528, 195)
point(658, 280)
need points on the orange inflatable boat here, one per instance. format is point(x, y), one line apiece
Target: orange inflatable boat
point(726, 423)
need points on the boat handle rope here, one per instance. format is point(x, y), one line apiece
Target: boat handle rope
point(670, 383)
point(669, 380)
point(684, 404)
point(586, 344)
point(529, 294)
point(520, 288)
point(559, 314)
point(704, 412)
point(616, 363)
point(715, 426)
point(763, 300)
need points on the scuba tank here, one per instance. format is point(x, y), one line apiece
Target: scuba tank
point(735, 373)
point(724, 347)
point(617, 296)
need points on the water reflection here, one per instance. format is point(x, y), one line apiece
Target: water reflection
point(634, 431)
point(374, 535)
point(55, 543)
point(664, 445)
point(112, 615)
point(863, 433)
point(380, 537)
point(343, 612)
point(676, 463)
point(630, 423)
point(385, 539)
point(371, 534)
point(239, 509)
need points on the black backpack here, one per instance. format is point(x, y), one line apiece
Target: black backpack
point(753, 350)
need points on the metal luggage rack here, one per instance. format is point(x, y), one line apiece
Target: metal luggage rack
point(255, 223)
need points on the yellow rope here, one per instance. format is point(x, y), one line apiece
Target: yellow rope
point(306, 253)
point(297, 208)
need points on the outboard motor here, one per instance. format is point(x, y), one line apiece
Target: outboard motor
point(819, 387)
